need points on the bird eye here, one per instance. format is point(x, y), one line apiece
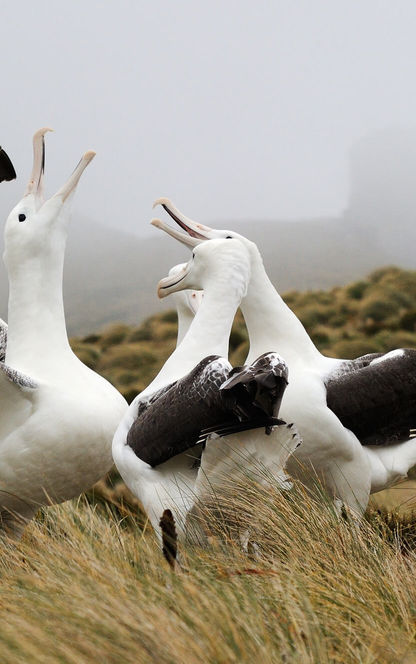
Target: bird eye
point(22, 217)
point(228, 237)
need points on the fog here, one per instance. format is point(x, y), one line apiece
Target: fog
point(236, 110)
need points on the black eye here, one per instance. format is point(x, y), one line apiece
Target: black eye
point(22, 217)
point(228, 237)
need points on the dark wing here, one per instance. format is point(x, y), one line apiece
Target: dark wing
point(172, 423)
point(7, 171)
point(143, 404)
point(257, 389)
point(205, 401)
point(3, 340)
point(378, 401)
point(349, 366)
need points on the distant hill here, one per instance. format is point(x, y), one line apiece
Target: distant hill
point(112, 276)
point(371, 315)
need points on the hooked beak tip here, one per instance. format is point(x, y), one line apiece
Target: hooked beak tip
point(41, 132)
point(89, 155)
point(161, 201)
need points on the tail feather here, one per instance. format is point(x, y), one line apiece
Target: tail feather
point(169, 537)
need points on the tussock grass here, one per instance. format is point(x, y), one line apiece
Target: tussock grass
point(84, 585)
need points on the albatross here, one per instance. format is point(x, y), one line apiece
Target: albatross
point(354, 416)
point(157, 447)
point(57, 416)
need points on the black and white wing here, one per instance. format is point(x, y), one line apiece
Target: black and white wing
point(377, 401)
point(7, 171)
point(262, 383)
point(211, 398)
point(172, 423)
point(349, 366)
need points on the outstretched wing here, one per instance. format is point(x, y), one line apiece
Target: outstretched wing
point(7, 171)
point(17, 394)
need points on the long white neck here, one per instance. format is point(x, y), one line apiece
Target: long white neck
point(271, 325)
point(208, 334)
point(37, 338)
point(185, 318)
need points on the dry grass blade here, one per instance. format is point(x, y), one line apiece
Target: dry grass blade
point(83, 587)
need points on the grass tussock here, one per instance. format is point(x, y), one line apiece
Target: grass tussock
point(84, 586)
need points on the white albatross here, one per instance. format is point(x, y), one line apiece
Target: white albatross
point(157, 447)
point(57, 416)
point(354, 416)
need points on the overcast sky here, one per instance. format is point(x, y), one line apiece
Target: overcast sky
point(235, 109)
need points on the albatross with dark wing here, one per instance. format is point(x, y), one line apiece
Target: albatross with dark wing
point(157, 447)
point(354, 416)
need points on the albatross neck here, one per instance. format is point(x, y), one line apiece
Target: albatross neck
point(271, 325)
point(37, 337)
point(208, 334)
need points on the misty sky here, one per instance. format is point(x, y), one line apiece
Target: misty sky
point(234, 109)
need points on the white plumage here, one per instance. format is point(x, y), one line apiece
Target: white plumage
point(349, 470)
point(223, 271)
point(57, 416)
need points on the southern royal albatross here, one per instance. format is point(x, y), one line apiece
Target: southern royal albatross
point(156, 447)
point(354, 416)
point(57, 416)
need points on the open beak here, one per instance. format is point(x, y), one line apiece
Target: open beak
point(35, 184)
point(69, 187)
point(173, 283)
point(194, 233)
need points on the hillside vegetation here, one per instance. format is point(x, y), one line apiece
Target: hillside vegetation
point(372, 315)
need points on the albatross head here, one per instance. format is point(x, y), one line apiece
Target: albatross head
point(226, 263)
point(188, 301)
point(194, 233)
point(34, 226)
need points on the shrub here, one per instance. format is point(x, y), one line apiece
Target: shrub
point(354, 348)
point(87, 353)
point(378, 310)
point(114, 335)
point(357, 290)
